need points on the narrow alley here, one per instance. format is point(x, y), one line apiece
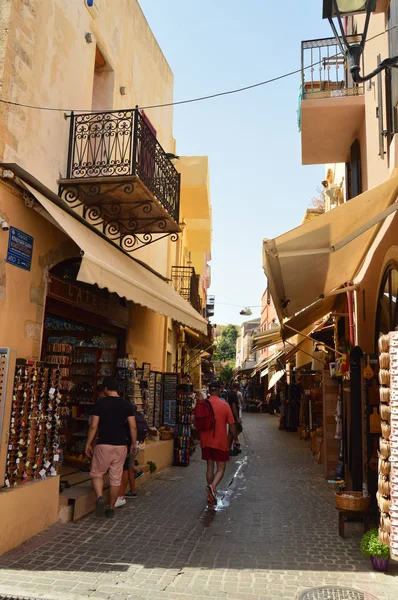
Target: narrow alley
point(273, 536)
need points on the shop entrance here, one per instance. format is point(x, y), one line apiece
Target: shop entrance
point(84, 333)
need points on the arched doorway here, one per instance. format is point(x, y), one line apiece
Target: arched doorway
point(387, 306)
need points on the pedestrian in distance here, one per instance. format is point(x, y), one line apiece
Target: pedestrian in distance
point(110, 417)
point(223, 392)
point(233, 401)
point(131, 472)
point(212, 418)
point(240, 400)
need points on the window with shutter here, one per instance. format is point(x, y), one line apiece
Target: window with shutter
point(392, 75)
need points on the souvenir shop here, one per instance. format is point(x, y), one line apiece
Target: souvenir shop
point(85, 330)
point(309, 393)
point(85, 333)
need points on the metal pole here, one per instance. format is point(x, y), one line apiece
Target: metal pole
point(71, 143)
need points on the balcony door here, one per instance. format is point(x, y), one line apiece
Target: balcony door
point(103, 83)
point(354, 172)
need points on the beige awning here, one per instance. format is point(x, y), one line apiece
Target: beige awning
point(265, 362)
point(310, 319)
point(106, 266)
point(320, 256)
point(267, 338)
point(275, 378)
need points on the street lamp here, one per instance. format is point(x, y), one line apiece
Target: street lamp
point(345, 8)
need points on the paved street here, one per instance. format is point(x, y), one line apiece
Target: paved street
point(273, 535)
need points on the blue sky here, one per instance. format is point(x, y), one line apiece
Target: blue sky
point(258, 186)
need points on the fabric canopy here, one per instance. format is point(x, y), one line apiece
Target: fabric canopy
point(265, 362)
point(106, 266)
point(309, 320)
point(275, 378)
point(267, 338)
point(318, 257)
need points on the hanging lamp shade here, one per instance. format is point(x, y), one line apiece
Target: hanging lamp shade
point(347, 7)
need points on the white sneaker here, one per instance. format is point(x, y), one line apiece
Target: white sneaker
point(120, 502)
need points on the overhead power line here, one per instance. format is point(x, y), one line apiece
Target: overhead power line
point(190, 100)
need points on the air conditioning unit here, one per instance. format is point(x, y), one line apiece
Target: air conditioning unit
point(92, 8)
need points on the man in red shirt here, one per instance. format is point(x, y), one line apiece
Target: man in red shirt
point(215, 443)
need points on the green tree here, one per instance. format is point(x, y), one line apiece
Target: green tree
point(226, 345)
point(226, 374)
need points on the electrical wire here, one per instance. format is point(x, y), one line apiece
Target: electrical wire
point(240, 305)
point(177, 103)
point(190, 100)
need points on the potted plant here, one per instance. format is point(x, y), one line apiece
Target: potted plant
point(379, 553)
point(152, 466)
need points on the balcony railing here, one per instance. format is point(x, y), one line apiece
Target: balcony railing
point(186, 283)
point(122, 144)
point(325, 72)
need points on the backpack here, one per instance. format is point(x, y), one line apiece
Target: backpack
point(142, 426)
point(204, 416)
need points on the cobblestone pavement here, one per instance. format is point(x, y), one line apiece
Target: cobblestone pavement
point(273, 535)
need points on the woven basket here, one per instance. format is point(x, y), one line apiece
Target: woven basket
point(385, 395)
point(384, 503)
point(384, 466)
point(166, 435)
point(354, 501)
point(384, 376)
point(384, 343)
point(384, 485)
point(385, 523)
point(385, 448)
point(385, 430)
point(384, 360)
point(385, 412)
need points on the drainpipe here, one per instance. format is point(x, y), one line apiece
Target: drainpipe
point(350, 300)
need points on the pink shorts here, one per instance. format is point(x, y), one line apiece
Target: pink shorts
point(110, 458)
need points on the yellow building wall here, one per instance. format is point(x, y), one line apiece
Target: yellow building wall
point(375, 170)
point(146, 337)
point(26, 510)
point(23, 293)
point(49, 63)
point(195, 210)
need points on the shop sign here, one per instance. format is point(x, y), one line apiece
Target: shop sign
point(86, 300)
point(20, 249)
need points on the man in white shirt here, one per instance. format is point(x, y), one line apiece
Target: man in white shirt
point(240, 400)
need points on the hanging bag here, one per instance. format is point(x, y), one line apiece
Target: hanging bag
point(204, 416)
point(142, 427)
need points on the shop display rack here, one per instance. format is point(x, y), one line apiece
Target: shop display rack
point(170, 382)
point(84, 358)
point(183, 443)
point(34, 443)
point(126, 373)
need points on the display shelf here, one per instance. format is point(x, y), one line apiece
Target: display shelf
point(169, 400)
point(34, 442)
point(87, 356)
point(183, 443)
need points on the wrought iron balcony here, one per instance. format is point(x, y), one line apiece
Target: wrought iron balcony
point(325, 72)
point(186, 283)
point(121, 177)
point(332, 106)
point(210, 306)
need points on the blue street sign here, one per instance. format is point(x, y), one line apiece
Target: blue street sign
point(20, 249)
